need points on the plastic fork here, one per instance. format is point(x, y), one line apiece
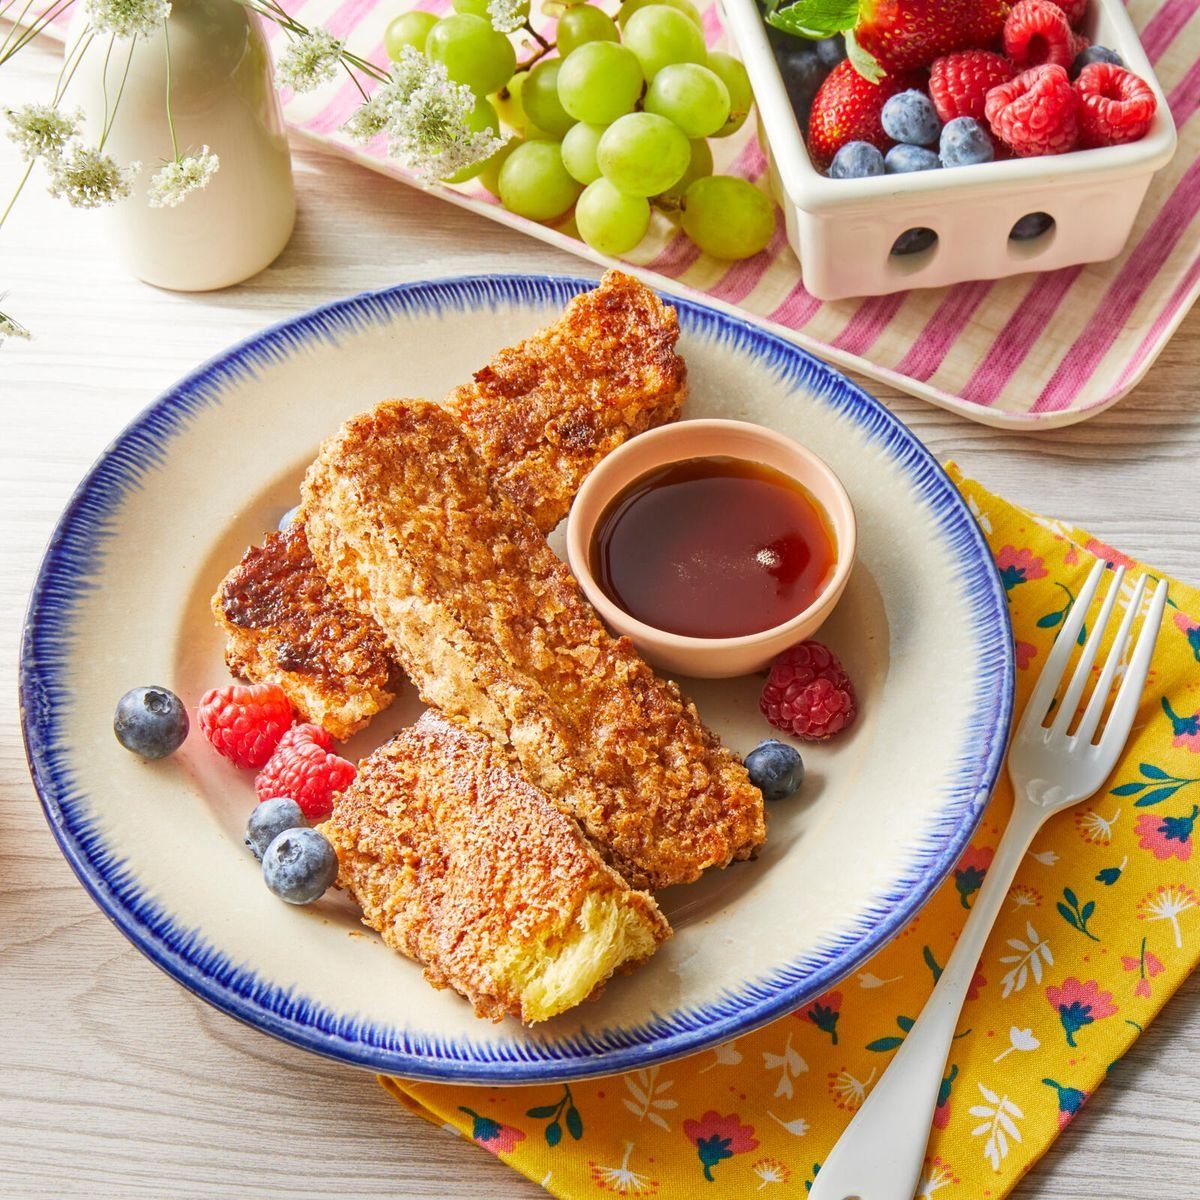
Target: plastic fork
point(1052, 766)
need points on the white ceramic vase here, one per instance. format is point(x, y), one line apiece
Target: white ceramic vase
point(223, 97)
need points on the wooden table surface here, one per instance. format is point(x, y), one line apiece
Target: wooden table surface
point(114, 1081)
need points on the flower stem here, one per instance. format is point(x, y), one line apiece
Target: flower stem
point(77, 51)
point(112, 41)
point(170, 117)
point(24, 38)
point(16, 24)
point(9, 206)
point(121, 89)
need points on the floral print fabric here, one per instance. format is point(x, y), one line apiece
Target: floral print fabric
point(1100, 927)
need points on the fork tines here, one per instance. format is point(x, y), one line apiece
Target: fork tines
point(1133, 673)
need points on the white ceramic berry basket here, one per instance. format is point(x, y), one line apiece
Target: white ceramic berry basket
point(843, 229)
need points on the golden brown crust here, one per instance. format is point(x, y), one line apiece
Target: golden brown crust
point(460, 863)
point(283, 623)
point(492, 628)
point(541, 415)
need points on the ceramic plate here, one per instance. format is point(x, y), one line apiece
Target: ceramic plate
point(122, 599)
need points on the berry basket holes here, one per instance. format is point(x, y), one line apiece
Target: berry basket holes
point(913, 249)
point(1032, 235)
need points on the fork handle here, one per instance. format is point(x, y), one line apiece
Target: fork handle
point(881, 1152)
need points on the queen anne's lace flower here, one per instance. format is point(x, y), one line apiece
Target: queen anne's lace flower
point(40, 130)
point(309, 60)
point(88, 178)
point(11, 328)
point(506, 15)
point(426, 119)
point(126, 18)
point(172, 184)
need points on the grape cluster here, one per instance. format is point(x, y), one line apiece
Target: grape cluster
point(612, 119)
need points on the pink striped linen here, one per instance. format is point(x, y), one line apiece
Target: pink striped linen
point(1029, 350)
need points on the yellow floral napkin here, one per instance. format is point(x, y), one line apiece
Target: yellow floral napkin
point(1101, 926)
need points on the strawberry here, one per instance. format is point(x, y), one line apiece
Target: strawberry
point(846, 108)
point(888, 36)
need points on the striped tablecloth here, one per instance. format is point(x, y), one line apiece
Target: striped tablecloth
point(1039, 349)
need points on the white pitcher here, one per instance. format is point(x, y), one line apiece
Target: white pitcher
point(222, 96)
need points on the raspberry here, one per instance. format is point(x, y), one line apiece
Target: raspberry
point(1037, 32)
point(244, 722)
point(305, 769)
point(1073, 10)
point(1115, 105)
point(1035, 113)
point(808, 694)
point(959, 83)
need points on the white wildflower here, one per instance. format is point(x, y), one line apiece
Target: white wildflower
point(426, 118)
point(309, 60)
point(387, 102)
point(41, 131)
point(10, 327)
point(127, 18)
point(172, 184)
point(87, 178)
point(506, 16)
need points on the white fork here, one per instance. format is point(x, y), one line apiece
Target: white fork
point(880, 1154)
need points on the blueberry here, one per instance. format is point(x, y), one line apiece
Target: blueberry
point(775, 769)
point(1030, 226)
point(299, 866)
point(910, 117)
point(831, 50)
point(288, 518)
point(269, 819)
point(803, 73)
point(856, 160)
point(964, 143)
point(151, 721)
point(902, 159)
point(913, 241)
point(1094, 54)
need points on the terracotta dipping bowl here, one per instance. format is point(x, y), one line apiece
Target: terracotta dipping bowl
point(701, 657)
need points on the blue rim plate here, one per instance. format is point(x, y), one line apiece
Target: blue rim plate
point(922, 560)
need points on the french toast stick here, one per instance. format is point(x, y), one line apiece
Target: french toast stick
point(460, 863)
point(492, 628)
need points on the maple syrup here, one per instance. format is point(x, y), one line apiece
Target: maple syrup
point(713, 548)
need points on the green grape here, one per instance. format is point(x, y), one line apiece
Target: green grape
point(490, 175)
point(480, 8)
point(540, 98)
point(643, 154)
point(609, 220)
point(690, 95)
point(507, 101)
point(599, 82)
point(535, 134)
point(482, 116)
point(472, 52)
point(685, 6)
point(584, 23)
point(733, 75)
point(660, 35)
point(408, 29)
point(727, 217)
point(579, 151)
point(701, 164)
point(535, 184)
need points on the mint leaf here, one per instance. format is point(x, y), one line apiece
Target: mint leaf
point(815, 18)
